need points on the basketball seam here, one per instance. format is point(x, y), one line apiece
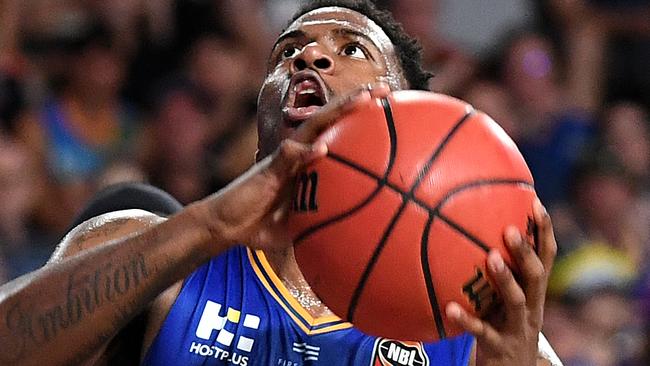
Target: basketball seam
point(477, 183)
point(407, 197)
point(358, 291)
point(423, 172)
point(464, 232)
point(426, 273)
point(392, 135)
point(314, 228)
point(454, 191)
point(356, 295)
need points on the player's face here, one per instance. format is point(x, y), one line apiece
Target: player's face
point(325, 53)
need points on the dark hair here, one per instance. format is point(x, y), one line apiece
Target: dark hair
point(129, 195)
point(12, 102)
point(407, 48)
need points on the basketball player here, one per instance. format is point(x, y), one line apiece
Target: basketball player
point(208, 300)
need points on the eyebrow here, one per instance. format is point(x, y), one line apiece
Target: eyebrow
point(343, 31)
point(293, 34)
point(352, 32)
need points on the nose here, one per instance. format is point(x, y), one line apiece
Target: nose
point(313, 56)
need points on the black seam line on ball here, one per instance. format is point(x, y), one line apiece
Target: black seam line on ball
point(426, 273)
point(356, 295)
point(478, 183)
point(384, 180)
point(312, 229)
point(478, 242)
point(453, 191)
point(425, 170)
point(392, 134)
point(488, 182)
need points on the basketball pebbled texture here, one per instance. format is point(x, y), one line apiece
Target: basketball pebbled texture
point(398, 219)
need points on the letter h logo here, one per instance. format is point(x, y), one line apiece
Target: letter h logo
point(211, 320)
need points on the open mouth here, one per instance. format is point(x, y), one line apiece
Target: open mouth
point(305, 97)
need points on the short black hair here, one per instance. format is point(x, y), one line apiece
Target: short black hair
point(128, 195)
point(408, 49)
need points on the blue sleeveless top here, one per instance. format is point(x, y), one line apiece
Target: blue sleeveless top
point(70, 158)
point(235, 311)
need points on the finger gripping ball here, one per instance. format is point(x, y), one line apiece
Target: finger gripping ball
point(397, 220)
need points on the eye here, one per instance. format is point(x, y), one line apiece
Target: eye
point(354, 50)
point(289, 51)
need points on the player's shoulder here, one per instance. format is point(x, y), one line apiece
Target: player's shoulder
point(103, 229)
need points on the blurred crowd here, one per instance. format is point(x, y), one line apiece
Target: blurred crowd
point(94, 93)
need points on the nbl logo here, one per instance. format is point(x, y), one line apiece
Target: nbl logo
point(388, 352)
point(305, 197)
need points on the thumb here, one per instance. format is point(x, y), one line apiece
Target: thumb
point(335, 109)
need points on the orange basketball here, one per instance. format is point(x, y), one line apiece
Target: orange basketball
point(398, 219)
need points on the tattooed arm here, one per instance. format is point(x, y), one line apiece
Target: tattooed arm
point(126, 347)
point(66, 311)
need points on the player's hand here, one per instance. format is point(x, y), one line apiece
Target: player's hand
point(511, 339)
point(252, 210)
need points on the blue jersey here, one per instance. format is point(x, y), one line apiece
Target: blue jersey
point(235, 311)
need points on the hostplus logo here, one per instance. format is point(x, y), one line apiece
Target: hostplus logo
point(229, 348)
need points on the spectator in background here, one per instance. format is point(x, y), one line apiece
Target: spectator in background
point(231, 20)
point(222, 70)
point(11, 102)
point(136, 23)
point(204, 127)
point(84, 127)
point(452, 67)
point(179, 136)
point(495, 99)
point(626, 133)
point(553, 129)
point(11, 89)
point(625, 25)
point(24, 246)
point(592, 315)
point(606, 198)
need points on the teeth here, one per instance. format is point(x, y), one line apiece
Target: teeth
point(307, 91)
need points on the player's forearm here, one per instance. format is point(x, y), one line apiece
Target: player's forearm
point(63, 312)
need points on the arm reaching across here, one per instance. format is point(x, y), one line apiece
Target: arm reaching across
point(64, 312)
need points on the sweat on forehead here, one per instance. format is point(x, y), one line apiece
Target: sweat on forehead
point(407, 50)
point(348, 19)
point(344, 17)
